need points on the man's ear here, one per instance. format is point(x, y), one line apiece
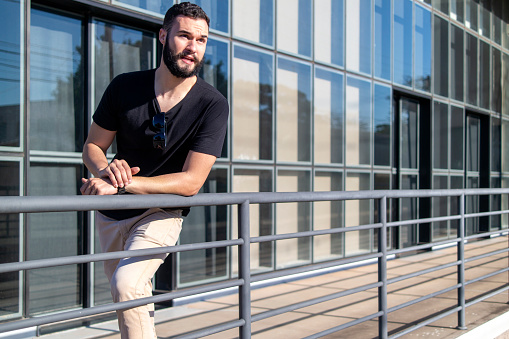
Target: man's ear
point(162, 36)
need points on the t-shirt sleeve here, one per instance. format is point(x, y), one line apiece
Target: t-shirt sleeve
point(105, 115)
point(210, 136)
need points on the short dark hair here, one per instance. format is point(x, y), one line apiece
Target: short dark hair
point(186, 9)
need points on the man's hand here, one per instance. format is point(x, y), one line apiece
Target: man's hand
point(97, 186)
point(119, 173)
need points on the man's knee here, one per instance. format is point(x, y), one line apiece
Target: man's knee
point(125, 288)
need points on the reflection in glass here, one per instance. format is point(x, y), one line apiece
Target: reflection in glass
point(10, 70)
point(358, 36)
point(496, 90)
point(441, 5)
point(422, 55)
point(291, 218)
point(10, 238)
point(403, 42)
point(457, 55)
point(409, 118)
point(408, 211)
point(253, 87)
point(56, 82)
point(440, 135)
point(51, 235)
point(215, 72)
point(472, 206)
point(328, 116)
point(254, 20)
point(485, 18)
point(495, 145)
point(154, 6)
point(382, 125)
point(496, 21)
point(382, 49)
point(329, 32)
point(505, 146)
point(328, 215)
point(495, 202)
point(505, 84)
point(471, 8)
point(203, 224)
point(458, 10)
point(456, 183)
point(457, 128)
point(440, 209)
point(293, 111)
point(260, 217)
point(471, 69)
point(484, 75)
point(505, 202)
point(295, 17)
point(357, 214)
point(358, 121)
point(473, 143)
point(218, 12)
point(382, 181)
point(441, 56)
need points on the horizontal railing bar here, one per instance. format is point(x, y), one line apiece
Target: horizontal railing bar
point(313, 267)
point(424, 246)
point(421, 272)
point(86, 312)
point(33, 204)
point(486, 276)
point(485, 214)
point(343, 326)
point(211, 330)
point(487, 296)
point(425, 297)
point(426, 322)
point(486, 255)
point(85, 258)
point(296, 306)
point(313, 233)
point(486, 234)
point(422, 221)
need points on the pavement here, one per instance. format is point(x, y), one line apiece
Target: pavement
point(486, 319)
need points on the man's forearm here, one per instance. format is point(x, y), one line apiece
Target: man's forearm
point(94, 158)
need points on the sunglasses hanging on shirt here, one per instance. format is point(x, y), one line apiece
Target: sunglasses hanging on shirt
point(159, 122)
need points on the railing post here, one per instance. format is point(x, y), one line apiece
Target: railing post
point(382, 269)
point(244, 271)
point(461, 266)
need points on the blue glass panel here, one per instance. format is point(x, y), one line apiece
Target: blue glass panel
point(382, 125)
point(358, 35)
point(441, 56)
point(422, 55)
point(218, 12)
point(155, 6)
point(403, 42)
point(358, 121)
point(382, 68)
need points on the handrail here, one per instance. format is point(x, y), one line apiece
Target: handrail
point(33, 204)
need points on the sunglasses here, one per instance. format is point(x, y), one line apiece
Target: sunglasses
point(159, 140)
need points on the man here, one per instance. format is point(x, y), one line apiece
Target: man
point(170, 126)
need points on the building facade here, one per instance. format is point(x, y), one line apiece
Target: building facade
point(324, 95)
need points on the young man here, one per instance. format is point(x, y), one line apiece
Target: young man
point(170, 126)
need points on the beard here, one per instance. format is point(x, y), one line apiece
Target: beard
point(170, 59)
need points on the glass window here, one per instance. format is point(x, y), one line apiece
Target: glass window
point(11, 54)
point(291, 218)
point(457, 131)
point(329, 32)
point(218, 12)
point(471, 69)
point(485, 18)
point(294, 22)
point(495, 144)
point(496, 21)
point(215, 71)
point(441, 56)
point(328, 215)
point(422, 55)
point(293, 111)
point(253, 86)
point(505, 145)
point(358, 121)
point(440, 135)
point(52, 235)
point(440, 208)
point(409, 134)
point(56, 82)
point(505, 202)
point(260, 217)
point(484, 75)
point(473, 143)
point(10, 234)
point(496, 92)
point(382, 125)
point(471, 9)
point(382, 49)
point(359, 211)
point(457, 55)
point(409, 210)
point(253, 20)
point(382, 181)
point(203, 224)
point(358, 35)
point(441, 5)
point(456, 183)
point(458, 10)
point(505, 84)
point(328, 116)
point(153, 6)
point(403, 42)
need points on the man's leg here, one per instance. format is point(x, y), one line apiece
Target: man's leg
point(132, 277)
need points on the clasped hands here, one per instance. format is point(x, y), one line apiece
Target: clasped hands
point(118, 173)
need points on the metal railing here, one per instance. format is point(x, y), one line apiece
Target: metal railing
point(31, 204)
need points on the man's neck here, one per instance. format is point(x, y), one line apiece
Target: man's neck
point(169, 89)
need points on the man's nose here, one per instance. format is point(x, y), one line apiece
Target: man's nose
point(191, 45)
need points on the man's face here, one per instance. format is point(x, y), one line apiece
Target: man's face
point(184, 46)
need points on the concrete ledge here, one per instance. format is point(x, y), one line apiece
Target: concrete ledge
point(495, 328)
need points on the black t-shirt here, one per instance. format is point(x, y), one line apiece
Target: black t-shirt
point(197, 123)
